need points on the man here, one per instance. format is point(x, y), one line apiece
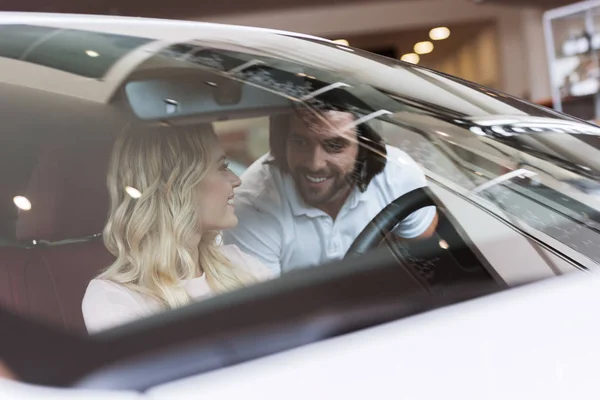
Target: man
point(305, 202)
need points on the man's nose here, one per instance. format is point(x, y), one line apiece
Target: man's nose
point(316, 159)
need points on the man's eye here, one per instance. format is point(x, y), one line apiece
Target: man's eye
point(334, 147)
point(225, 166)
point(296, 141)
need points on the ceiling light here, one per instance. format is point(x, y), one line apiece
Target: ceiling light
point(92, 53)
point(343, 42)
point(411, 58)
point(133, 192)
point(439, 33)
point(424, 47)
point(444, 245)
point(22, 202)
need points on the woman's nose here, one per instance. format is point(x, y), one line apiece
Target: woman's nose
point(235, 180)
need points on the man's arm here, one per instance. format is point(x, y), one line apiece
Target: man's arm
point(403, 176)
point(430, 229)
point(258, 234)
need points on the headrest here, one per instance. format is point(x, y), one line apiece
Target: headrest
point(67, 190)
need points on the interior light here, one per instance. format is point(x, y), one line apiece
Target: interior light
point(22, 203)
point(439, 33)
point(343, 42)
point(424, 47)
point(92, 53)
point(411, 58)
point(443, 244)
point(133, 192)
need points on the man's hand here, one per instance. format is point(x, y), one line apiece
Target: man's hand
point(5, 372)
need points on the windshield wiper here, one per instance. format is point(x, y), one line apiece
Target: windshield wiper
point(522, 173)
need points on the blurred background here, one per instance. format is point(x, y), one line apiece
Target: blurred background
point(541, 50)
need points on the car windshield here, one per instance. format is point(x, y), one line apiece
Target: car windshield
point(158, 167)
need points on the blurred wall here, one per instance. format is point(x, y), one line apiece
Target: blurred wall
point(476, 60)
point(519, 67)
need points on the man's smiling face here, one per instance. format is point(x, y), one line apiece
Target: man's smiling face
point(321, 154)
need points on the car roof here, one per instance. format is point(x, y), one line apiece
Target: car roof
point(134, 25)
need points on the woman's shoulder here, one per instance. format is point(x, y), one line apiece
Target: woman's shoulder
point(99, 285)
point(107, 303)
point(105, 291)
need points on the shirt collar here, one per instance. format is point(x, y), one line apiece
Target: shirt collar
point(299, 207)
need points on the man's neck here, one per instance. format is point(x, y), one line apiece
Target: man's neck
point(334, 207)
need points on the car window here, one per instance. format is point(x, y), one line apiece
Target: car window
point(244, 140)
point(189, 169)
point(80, 52)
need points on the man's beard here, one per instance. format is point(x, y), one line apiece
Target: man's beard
point(335, 187)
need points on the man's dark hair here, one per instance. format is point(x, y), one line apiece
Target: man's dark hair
point(371, 157)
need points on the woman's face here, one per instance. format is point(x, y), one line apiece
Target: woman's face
point(216, 194)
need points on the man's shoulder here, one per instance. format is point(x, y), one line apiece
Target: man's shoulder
point(399, 166)
point(262, 186)
point(400, 175)
point(397, 157)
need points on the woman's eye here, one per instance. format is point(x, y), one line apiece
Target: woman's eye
point(225, 166)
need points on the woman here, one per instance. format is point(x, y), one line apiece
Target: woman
point(171, 194)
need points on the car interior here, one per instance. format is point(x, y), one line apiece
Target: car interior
point(54, 150)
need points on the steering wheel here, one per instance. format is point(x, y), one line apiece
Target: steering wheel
point(383, 223)
point(434, 267)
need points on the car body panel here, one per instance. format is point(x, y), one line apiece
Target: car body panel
point(351, 334)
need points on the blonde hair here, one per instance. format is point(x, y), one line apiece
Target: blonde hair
point(150, 235)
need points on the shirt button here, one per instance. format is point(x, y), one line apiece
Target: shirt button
point(335, 244)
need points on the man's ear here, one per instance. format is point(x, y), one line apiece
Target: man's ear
point(372, 152)
point(279, 129)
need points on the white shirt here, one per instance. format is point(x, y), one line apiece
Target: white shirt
point(278, 228)
point(107, 304)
